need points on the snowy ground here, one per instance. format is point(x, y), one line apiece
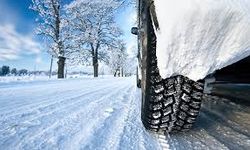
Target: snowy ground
point(105, 114)
point(28, 78)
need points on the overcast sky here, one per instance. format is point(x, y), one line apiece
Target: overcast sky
point(21, 48)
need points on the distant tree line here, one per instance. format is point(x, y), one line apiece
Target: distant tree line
point(6, 70)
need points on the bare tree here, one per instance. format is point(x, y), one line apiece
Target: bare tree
point(50, 27)
point(93, 29)
point(118, 59)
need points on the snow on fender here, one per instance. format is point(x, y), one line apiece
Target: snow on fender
point(196, 37)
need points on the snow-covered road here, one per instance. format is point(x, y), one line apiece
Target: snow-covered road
point(104, 113)
point(72, 114)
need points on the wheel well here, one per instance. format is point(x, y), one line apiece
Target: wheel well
point(237, 72)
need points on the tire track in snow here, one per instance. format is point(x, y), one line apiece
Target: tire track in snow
point(113, 112)
point(80, 115)
point(163, 141)
point(215, 128)
point(59, 94)
point(92, 130)
point(22, 120)
point(231, 114)
point(227, 122)
point(195, 139)
point(206, 140)
point(123, 129)
point(134, 135)
point(108, 135)
point(28, 99)
point(45, 89)
point(132, 128)
point(224, 134)
point(42, 114)
point(51, 107)
point(23, 94)
point(52, 121)
point(42, 100)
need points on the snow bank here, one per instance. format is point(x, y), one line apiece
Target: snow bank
point(197, 37)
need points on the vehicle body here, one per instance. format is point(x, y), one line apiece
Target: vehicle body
point(161, 108)
point(168, 104)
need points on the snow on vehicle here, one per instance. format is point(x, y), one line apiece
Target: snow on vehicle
point(180, 43)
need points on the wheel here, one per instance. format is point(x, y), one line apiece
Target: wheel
point(171, 104)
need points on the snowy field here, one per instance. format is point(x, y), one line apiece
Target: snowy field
point(28, 78)
point(104, 113)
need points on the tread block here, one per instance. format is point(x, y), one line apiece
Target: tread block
point(197, 95)
point(180, 122)
point(155, 122)
point(198, 86)
point(156, 98)
point(170, 91)
point(156, 115)
point(184, 107)
point(167, 111)
point(190, 120)
point(193, 112)
point(185, 97)
point(165, 119)
point(156, 106)
point(164, 125)
point(182, 115)
point(187, 88)
point(177, 128)
point(187, 126)
point(195, 105)
point(153, 126)
point(168, 101)
point(158, 88)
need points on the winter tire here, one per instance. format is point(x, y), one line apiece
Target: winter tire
point(171, 104)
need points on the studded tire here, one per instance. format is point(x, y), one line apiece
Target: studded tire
point(168, 105)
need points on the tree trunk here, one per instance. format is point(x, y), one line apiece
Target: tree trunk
point(122, 72)
point(50, 69)
point(61, 64)
point(95, 65)
point(66, 71)
point(95, 58)
point(119, 72)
